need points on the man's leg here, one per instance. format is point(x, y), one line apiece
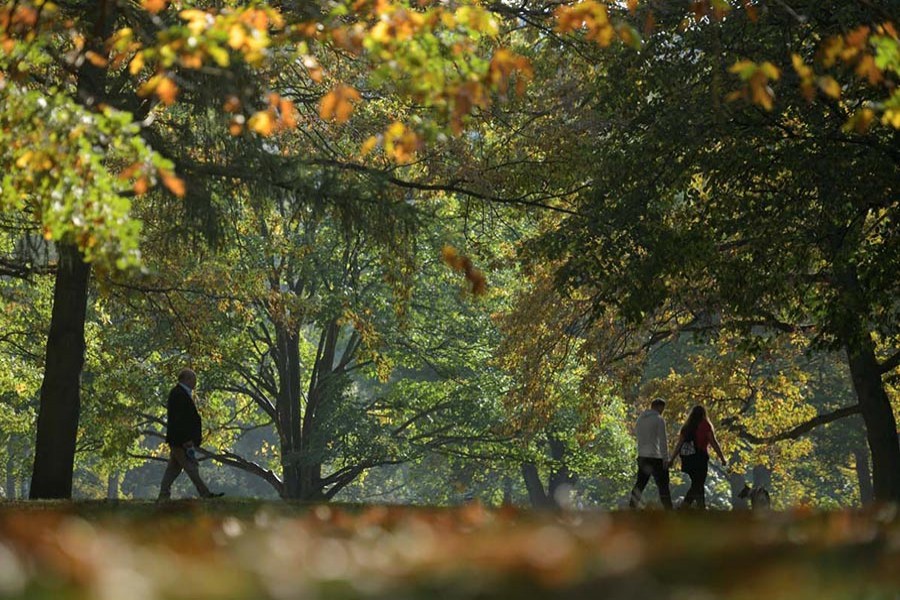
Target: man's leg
point(661, 477)
point(173, 470)
point(192, 468)
point(643, 476)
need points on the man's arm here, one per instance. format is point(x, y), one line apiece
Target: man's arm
point(662, 440)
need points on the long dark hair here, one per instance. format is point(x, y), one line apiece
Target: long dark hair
point(697, 416)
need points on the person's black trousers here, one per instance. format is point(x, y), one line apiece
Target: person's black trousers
point(656, 468)
point(697, 469)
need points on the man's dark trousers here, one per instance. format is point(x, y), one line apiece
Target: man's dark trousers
point(647, 468)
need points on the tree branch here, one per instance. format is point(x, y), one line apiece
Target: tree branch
point(794, 433)
point(890, 363)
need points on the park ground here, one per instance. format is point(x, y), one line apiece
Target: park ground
point(235, 549)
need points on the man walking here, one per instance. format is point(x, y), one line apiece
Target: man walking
point(183, 432)
point(653, 454)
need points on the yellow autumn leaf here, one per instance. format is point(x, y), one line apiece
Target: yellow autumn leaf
point(770, 70)
point(236, 36)
point(262, 122)
point(891, 117)
point(369, 145)
point(136, 64)
point(219, 55)
point(830, 87)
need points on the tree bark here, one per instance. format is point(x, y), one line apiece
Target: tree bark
point(562, 480)
point(112, 486)
point(10, 471)
point(881, 426)
point(864, 475)
point(736, 482)
point(536, 494)
point(866, 373)
point(60, 399)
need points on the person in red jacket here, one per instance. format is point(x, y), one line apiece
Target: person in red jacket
point(696, 436)
point(183, 434)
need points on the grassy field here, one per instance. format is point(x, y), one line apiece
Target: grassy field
point(243, 549)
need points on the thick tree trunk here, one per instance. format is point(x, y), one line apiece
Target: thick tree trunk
point(881, 426)
point(562, 480)
point(864, 475)
point(536, 494)
point(60, 399)
point(736, 482)
point(762, 477)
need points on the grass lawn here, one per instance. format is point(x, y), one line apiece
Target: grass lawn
point(245, 549)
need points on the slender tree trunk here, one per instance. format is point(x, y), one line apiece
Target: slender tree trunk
point(507, 492)
point(881, 426)
point(864, 475)
point(112, 486)
point(10, 470)
point(60, 399)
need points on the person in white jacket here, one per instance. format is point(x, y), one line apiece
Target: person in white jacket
point(653, 454)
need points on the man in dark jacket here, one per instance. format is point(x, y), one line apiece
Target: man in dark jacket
point(183, 436)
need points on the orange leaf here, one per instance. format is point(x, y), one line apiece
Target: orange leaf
point(154, 6)
point(167, 91)
point(288, 113)
point(338, 104)
point(96, 59)
point(173, 183)
point(232, 104)
point(141, 186)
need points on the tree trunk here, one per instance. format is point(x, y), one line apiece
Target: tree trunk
point(881, 426)
point(864, 475)
point(10, 471)
point(112, 486)
point(736, 482)
point(562, 480)
point(762, 477)
point(536, 493)
point(60, 399)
